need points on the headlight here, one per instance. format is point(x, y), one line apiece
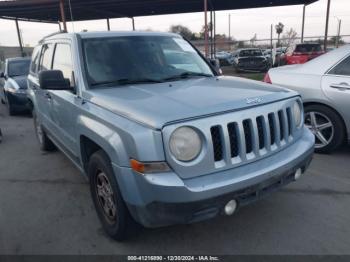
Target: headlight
point(185, 144)
point(297, 113)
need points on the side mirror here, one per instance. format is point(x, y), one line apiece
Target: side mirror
point(2, 75)
point(53, 80)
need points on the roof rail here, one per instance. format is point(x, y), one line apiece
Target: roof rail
point(56, 33)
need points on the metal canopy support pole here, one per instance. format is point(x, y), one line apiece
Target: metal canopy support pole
point(63, 16)
point(229, 27)
point(59, 26)
point(214, 34)
point(271, 39)
point(303, 25)
point(19, 38)
point(133, 23)
point(108, 25)
point(327, 22)
point(338, 36)
point(211, 34)
point(206, 27)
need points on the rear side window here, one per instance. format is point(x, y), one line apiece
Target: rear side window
point(35, 60)
point(343, 68)
point(63, 60)
point(46, 57)
point(306, 48)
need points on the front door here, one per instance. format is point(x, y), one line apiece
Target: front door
point(65, 104)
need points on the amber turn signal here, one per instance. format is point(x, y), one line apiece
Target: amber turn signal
point(148, 167)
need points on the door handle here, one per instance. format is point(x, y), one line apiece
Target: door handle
point(48, 96)
point(341, 86)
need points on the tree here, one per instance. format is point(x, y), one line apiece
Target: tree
point(279, 30)
point(182, 30)
point(289, 37)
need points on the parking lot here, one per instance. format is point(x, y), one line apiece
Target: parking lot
point(45, 208)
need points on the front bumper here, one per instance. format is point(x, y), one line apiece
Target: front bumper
point(165, 199)
point(18, 101)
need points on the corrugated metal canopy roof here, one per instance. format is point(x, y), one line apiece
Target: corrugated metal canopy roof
point(48, 10)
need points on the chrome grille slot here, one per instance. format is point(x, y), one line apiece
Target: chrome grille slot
point(217, 142)
point(261, 131)
point(282, 124)
point(272, 126)
point(233, 135)
point(290, 121)
point(248, 134)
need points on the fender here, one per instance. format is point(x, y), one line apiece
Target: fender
point(106, 137)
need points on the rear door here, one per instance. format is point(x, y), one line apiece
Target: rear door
point(336, 86)
point(65, 104)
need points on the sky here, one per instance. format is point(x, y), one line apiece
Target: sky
point(244, 23)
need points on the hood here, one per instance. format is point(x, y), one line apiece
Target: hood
point(20, 81)
point(157, 105)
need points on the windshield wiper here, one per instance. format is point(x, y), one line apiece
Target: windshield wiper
point(126, 81)
point(186, 75)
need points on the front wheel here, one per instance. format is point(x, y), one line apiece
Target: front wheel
point(110, 206)
point(327, 126)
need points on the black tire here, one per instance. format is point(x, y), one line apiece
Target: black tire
point(44, 142)
point(10, 109)
point(338, 137)
point(119, 225)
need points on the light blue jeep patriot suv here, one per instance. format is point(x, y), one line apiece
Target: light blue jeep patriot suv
point(162, 137)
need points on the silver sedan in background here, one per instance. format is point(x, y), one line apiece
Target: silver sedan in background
point(324, 84)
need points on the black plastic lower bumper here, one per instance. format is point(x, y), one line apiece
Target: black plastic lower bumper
point(18, 102)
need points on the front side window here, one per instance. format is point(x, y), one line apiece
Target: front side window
point(343, 68)
point(138, 59)
point(18, 68)
point(35, 60)
point(63, 61)
point(46, 57)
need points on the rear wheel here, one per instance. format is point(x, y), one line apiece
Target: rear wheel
point(327, 126)
point(44, 142)
point(109, 204)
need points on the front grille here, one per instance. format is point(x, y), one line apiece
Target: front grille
point(258, 135)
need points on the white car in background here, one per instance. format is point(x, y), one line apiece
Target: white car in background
point(324, 84)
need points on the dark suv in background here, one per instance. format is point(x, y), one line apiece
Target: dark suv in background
point(13, 84)
point(251, 60)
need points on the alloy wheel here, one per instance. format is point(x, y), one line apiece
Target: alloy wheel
point(105, 197)
point(321, 126)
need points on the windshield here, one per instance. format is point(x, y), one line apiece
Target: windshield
point(250, 53)
point(308, 48)
point(141, 59)
point(18, 68)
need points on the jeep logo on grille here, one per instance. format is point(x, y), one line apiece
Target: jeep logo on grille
point(256, 100)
